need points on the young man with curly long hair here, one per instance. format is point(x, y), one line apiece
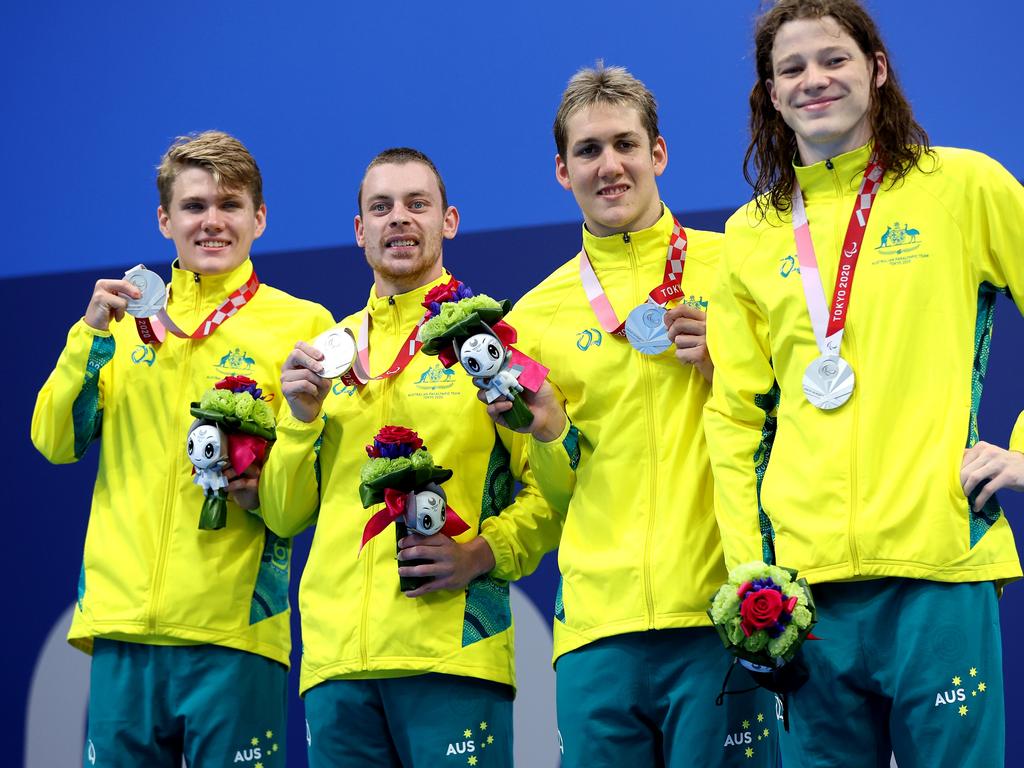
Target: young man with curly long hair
point(850, 337)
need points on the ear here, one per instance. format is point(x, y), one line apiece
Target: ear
point(451, 223)
point(562, 173)
point(163, 221)
point(881, 69)
point(261, 220)
point(769, 85)
point(659, 154)
point(360, 235)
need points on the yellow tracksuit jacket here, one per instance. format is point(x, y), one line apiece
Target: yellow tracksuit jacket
point(872, 488)
point(148, 574)
point(355, 621)
point(640, 548)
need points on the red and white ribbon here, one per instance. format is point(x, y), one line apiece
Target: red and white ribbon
point(359, 373)
point(671, 287)
point(153, 330)
point(829, 324)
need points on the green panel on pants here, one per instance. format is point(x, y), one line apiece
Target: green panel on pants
point(907, 666)
point(648, 699)
point(153, 704)
point(423, 721)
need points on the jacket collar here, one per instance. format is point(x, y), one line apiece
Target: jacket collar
point(190, 290)
point(843, 177)
point(625, 249)
point(409, 305)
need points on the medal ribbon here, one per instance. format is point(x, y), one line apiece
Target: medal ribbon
point(670, 288)
point(359, 374)
point(153, 330)
point(829, 324)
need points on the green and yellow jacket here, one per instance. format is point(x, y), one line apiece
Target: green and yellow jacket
point(356, 623)
point(872, 488)
point(148, 574)
point(640, 548)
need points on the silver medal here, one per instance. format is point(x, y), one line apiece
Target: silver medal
point(645, 329)
point(339, 349)
point(152, 288)
point(828, 382)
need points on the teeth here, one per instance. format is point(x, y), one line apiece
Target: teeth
point(402, 243)
point(213, 243)
point(613, 190)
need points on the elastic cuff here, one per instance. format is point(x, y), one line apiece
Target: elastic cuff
point(82, 327)
point(504, 561)
point(557, 442)
point(565, 447)
point(288, 424)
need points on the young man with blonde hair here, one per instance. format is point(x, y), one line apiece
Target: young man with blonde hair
point(189, 629)
point(423, 678)
point(638, 664)
point(852, 326)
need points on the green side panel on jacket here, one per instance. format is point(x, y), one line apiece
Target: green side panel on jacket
point(487, 604)
point(559, 605)
point(85, 411)
point(769, 403)
point(81, 586)
point(571, 443)
point(981, 521)
point(270, 597)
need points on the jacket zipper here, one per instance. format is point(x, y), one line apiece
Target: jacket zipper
point(652, 447)
point(171, 495)
point(844, 209)
point(370, 550)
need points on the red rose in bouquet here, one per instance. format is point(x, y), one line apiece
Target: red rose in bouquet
point(392, 442)
point(760, 609)
point(453, 290)
point(440, 293)
point(239, 384)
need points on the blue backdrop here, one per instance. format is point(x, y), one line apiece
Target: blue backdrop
point(94, 94)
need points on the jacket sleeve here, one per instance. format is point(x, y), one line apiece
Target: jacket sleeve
point(739, 419)
point(69, 408)
point(290, 481)
point(554, 466)
point(529, 527)
point(992, 228)
point(1017, 438)
point(992, 233)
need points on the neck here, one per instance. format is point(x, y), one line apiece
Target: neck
point(815, 152)
point(394, 285)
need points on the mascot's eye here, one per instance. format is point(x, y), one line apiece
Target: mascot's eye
point(473, 365)
point(428, 522)
point(191, 446)
point(493, 351)
point(208, 450)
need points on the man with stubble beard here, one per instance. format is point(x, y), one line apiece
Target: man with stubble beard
point(390, 678)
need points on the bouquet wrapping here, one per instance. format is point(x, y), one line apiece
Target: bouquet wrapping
point(401, 474)
point(763, 614)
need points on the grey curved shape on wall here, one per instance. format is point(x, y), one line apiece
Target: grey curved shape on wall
point(57, 700)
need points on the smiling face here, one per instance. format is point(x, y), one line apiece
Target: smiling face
point(821, 85)
point(403, 225)
point(611, 169)
point(212, 228)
